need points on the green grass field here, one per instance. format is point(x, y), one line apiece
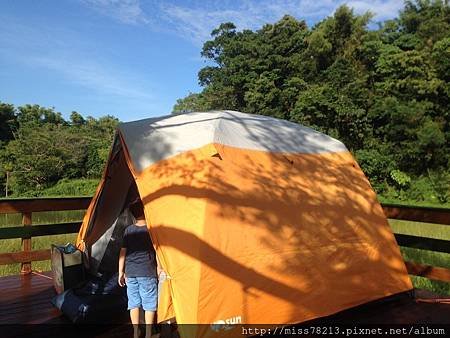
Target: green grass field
point(424, 256)
point(403, 227)
point(14, 245)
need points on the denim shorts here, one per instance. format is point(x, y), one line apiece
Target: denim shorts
point(142, 291)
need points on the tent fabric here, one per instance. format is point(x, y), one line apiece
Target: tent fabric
point(152, 140)
point(256, 220)
point(108, 207)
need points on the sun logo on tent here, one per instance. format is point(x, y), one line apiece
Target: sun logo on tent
point(225, 324)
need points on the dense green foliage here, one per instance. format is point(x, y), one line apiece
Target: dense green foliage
point(39, 148)
point(67, 187)
point(384, 92)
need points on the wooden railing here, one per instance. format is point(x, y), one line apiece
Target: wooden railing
point(27, 206)
point(426, 215)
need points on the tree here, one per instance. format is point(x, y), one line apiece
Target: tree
point(384, 92)
point(45, 148)
point(37, 115)
point(76, 119)
point(8, 122)
point(192, 102)
point(42, 156)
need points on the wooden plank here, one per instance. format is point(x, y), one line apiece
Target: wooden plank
point(427, 271)
point(43, 204)
point(39, 230)
point(26, 243)
point(28, 301)
point(423, 243)
point(417, 214)
point(24, 256)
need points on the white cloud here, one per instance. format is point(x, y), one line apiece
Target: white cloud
point(67, 55)
point(94, 76)
point(196, 23)
point(196, 20)
point(126, 11)
point(382, 9)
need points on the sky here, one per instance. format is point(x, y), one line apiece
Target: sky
point(128, 58)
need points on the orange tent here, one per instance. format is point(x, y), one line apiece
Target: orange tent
point(255, 219)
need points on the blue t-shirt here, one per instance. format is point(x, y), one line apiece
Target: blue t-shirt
point(140, 260)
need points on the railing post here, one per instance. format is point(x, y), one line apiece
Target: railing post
point(26, 243)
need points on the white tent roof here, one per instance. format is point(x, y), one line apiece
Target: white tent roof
point(155, 139)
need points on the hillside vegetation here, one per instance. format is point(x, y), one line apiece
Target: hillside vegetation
point(45, 155)
point(384, 92)
point(381, 89)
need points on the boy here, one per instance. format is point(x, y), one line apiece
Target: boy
point(138, 258)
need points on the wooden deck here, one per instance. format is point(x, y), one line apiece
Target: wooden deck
point(26, 311)
point(25, 299)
